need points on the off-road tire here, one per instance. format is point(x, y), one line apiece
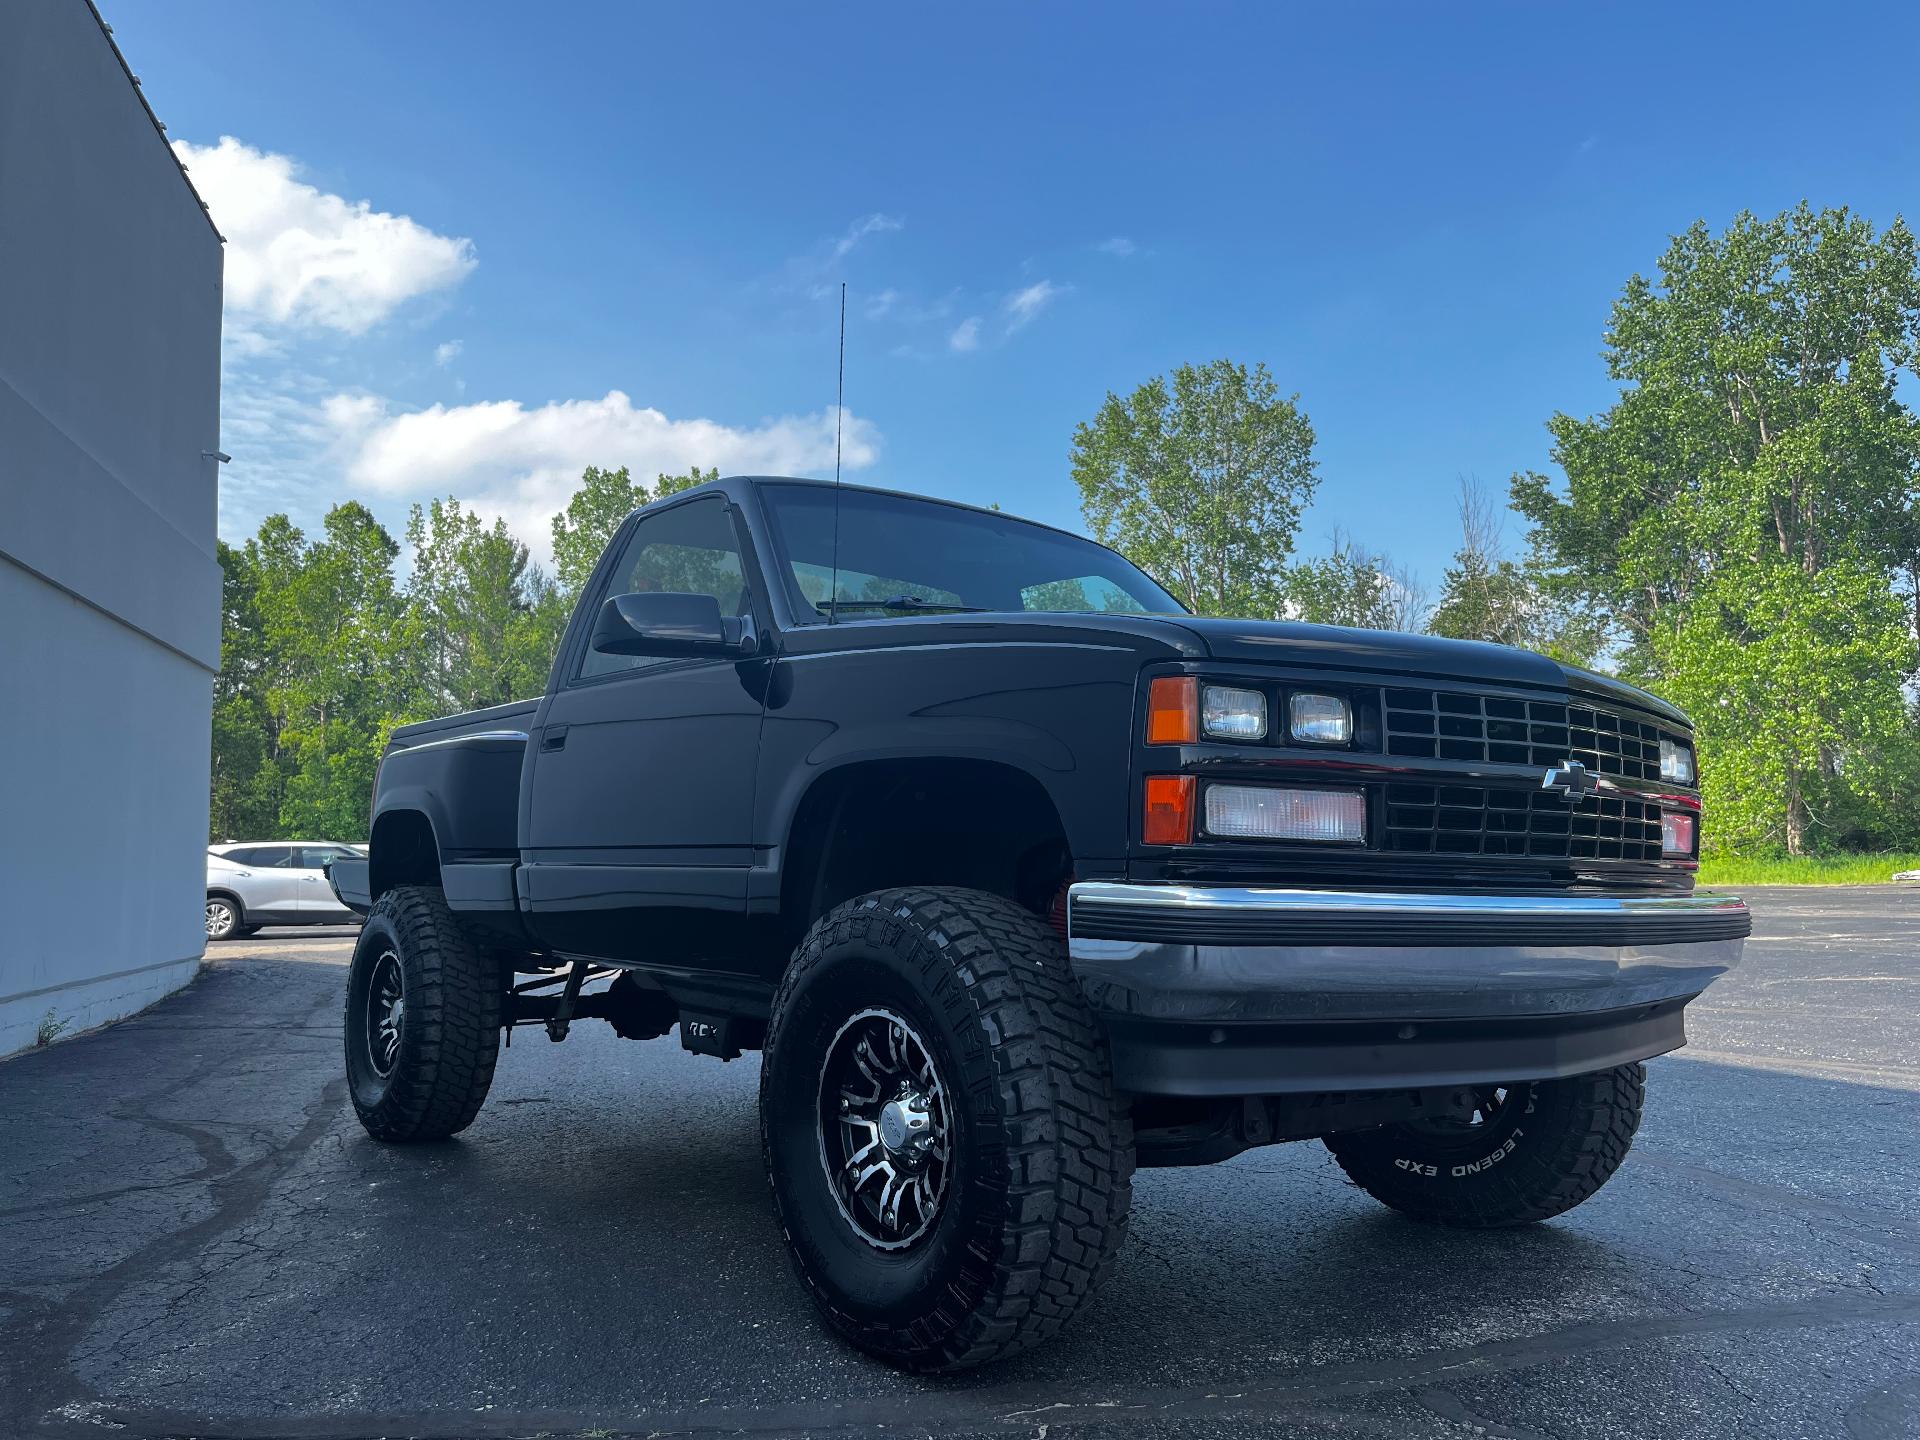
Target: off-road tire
point(1035, 1209)
point(235, 921)
point(449, 1036)
point(1552, 1144)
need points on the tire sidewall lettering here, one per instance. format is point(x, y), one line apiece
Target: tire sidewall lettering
point(1466, 1169)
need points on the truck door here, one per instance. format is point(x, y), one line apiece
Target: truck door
point(639, 821)
point(268, 885)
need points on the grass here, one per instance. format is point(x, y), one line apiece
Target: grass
point(1808, 870)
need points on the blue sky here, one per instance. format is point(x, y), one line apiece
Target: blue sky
point(1415, 215)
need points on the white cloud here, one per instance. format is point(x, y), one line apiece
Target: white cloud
point(299, 256)
point(966, 335)
point(817, 274)
point(875, 224)
point(1023, 305)
point(523, 463)
point(446, 352)
point(1119, 246)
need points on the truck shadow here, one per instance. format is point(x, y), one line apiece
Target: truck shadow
point(1269, 1264)
point(611, 1195)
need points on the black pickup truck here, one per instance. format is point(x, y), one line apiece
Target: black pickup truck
point(1020, 875)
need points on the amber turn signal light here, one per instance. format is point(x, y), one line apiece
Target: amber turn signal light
point(1169, 817)
point(1173, 711)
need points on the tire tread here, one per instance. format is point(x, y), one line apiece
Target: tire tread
point(1069, 1136)
point(452, 1035)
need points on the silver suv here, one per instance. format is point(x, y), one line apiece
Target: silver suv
point(280, 882)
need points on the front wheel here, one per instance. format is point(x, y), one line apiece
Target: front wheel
point(948, 1158)
point(1528, 1151)
point(423, 1019)
point(223, 918)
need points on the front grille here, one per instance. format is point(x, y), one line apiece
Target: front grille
point(1447, 819)
point(1455, 725)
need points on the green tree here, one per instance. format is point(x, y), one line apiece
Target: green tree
point(342, 644)
point(1201, 480)
point(488, 621)
point(1792, 681)
point(1353, 586)
point(1486, 596)
point(595, 510)
point(247, 781)
point(1742, 517)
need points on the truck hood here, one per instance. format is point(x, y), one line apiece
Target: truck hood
point(1335, 647)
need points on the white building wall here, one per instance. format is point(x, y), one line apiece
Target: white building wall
point(109, 586)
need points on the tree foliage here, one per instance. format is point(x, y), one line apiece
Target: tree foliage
point(1200, 480)
point(1487, 596)
point(486, 622)
point(315, 651)
point(1353, 586)
point(1793, 683)
point(1743, 521)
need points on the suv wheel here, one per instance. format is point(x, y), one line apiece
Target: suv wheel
point(423, 1019)
point(1529, 1152)
point(223, 918)
point(947, 1155)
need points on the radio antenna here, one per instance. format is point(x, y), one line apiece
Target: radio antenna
point(839, 413)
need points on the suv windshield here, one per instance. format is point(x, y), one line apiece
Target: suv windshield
point(899, 555)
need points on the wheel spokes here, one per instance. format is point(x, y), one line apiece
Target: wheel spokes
point(386, 1012)
point(885, 1128)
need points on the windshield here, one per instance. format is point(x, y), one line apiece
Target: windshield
point(899, 555)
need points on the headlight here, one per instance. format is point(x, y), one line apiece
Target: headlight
point(1676, 762)
point(1268, 812)
point(1676, 832)
point(1230, 714)
point(1319, 719)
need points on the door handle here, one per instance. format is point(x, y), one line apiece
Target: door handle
point(554, 737)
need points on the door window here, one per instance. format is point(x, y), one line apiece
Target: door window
point(688, 550)
point(318, 857)
point(263, 857)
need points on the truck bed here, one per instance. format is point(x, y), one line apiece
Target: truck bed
point(514, 716)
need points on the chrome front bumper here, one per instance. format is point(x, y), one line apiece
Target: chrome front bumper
point(1219, 990)
point(1186, 952)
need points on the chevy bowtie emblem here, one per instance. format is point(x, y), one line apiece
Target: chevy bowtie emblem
point(1571, 779)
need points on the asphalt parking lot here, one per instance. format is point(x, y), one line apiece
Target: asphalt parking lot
point(196, 1239)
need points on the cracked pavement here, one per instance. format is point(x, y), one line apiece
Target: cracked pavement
point(197, 1239)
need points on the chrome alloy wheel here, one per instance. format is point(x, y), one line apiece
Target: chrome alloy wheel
point(220, 919)
point(386, 1012)
point(885, 1129)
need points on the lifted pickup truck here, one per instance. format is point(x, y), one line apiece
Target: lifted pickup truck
point(1020, 876)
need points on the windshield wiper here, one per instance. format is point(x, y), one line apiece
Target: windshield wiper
point(899, 602)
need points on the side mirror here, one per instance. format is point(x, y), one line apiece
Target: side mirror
point(669, 625)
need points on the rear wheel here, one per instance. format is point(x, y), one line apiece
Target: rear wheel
point(1528, 1151)
point(423, 1019)
point(947, 1155)
point(223, 917)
